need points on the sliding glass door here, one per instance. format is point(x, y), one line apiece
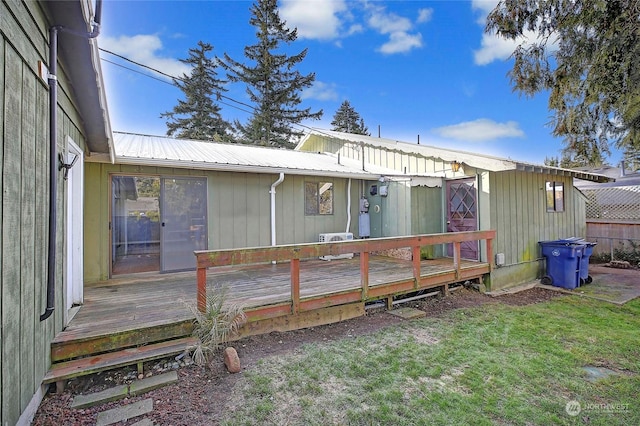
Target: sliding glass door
point(183, 213)
point(157, 223)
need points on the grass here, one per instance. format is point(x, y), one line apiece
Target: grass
point(493, 364)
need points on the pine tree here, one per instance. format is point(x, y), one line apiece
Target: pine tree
point(346, 119)
point(198, 116)
point(273, 83)
point(587, 57)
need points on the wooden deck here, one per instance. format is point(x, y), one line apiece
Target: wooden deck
point(154, 309)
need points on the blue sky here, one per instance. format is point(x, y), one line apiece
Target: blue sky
point(411, 67)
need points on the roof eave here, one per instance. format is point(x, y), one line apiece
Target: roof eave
point(240, 168)
point(80, 60)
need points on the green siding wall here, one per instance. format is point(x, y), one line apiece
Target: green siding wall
point(24, 204)
point(427, 216)
point(238, 207)
point(511, 202)
point(520, 216)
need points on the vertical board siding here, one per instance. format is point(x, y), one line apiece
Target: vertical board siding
point(229, 193)
point(521, 218)
point(27, 242)
point(24, 204)
point(11, 231)
point(2, 135)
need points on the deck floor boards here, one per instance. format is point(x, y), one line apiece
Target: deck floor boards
point(143, 300)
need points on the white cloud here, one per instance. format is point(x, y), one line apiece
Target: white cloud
point(386, 23)
point(397, 27)
point(401, 42)
point(494, 47)
point(314, 19)
point(144, 48)
point(321, 91)
point(480, 130)
point(485, 7)
point(424, 15)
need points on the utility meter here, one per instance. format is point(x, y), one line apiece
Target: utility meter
point(364, 205)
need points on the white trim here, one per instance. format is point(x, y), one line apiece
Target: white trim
point(73, 276)
point(30, 412)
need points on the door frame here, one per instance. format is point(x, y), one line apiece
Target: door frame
point(446, 218)
point(74, 260)
point(161, 177)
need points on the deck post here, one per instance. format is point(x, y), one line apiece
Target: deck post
point(415, 253)
point(364, 274)
point(202, 289)
point(489, 246)
point(456, 258)
point(295, 286)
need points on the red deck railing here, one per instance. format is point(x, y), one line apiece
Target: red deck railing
point(294, 253)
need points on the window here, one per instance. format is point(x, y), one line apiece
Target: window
point(555, 196)
point(318, 198)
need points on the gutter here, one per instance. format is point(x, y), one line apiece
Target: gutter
point(272, 191)
point(54, 164)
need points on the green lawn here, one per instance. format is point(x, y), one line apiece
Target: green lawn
point(494, 364)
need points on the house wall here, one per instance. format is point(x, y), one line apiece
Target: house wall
point(427, 216)
point(238, 209)
point(24, 162)
point(390, 215)
point(519, 215)
point(390, 158)
point(511, 202)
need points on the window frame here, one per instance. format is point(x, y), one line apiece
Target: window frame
point(316, 209)
point(554, 196)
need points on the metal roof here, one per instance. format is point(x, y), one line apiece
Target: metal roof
point(480, 161)
point(183, 153)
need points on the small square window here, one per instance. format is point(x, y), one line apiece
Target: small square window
point(318, 198)
point(555, 196)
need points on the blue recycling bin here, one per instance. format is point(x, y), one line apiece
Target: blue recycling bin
point(563, 263)
point(585, 278)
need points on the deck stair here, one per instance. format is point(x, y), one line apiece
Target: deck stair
point(73, 357)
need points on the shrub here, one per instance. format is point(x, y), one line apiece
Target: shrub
point(215, 325)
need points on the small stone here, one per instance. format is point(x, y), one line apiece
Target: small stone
point(149, 374)
point(140, 376)
point(175, 365)
point(231, 360)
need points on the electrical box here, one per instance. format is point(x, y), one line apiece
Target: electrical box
point(364, 225)
point(364, 205)
point(499, 259)
point(384, 190)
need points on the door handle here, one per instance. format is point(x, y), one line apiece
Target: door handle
point(163, 224)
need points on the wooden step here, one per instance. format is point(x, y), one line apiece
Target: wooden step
point(63, 371)
point(67, 345)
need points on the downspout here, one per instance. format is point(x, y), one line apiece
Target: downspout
point(273, 207)
point(53, 152)
point(348, 205)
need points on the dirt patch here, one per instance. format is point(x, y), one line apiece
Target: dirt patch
point(201, 394)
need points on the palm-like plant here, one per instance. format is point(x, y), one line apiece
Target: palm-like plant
point(215, 325)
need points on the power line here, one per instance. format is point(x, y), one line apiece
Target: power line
point(173, 78)
point(173, 83)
